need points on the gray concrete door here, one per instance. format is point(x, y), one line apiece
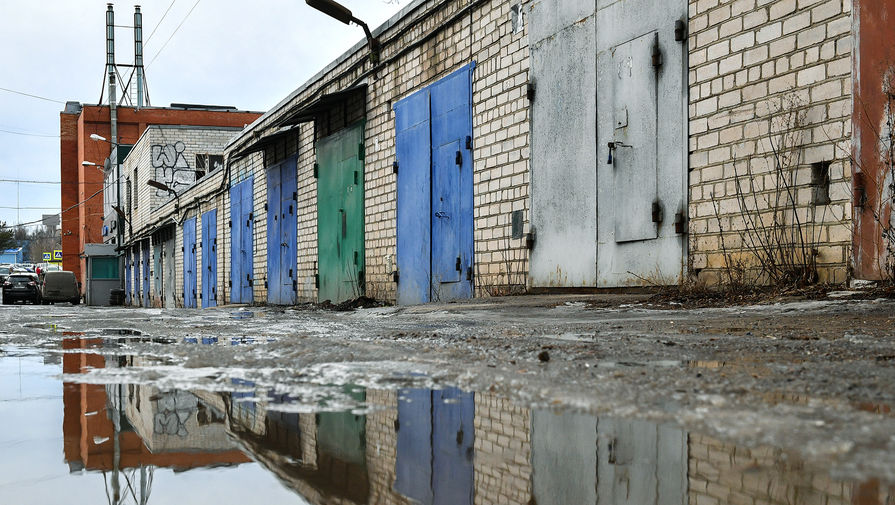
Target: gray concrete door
point(169, 262)
point(609, 78)
point(641, 142)
point(562, 38)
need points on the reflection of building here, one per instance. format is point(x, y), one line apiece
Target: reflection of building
point(428, 447)
point(433, 447)
point(89, 428)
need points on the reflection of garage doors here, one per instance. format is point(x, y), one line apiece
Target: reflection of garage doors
point(340, 214)
point(436, 436)
point(282, 226)
point(435, 193)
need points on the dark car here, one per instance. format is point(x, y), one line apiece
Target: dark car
point(60, 286)
point(21, 286)
point(4, 273)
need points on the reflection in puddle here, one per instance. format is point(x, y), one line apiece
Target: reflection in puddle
point(405, 446)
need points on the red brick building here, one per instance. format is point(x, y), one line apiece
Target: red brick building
point(82, 224)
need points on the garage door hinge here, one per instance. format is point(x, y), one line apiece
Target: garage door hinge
point(251, 216)
point(657, 53)
point(657, 214)
point(396, 276)
point(317, 281)
point(229, 284)
point(394, 167)
point(469, 273)
point(295, 286)
point(316, 170)
point(680, 30)
point(360, 151)
point(459, 159)
point(230, 223)
point(468, 142)
point(458, 264)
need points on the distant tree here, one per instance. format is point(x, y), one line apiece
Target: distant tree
point(7, 237)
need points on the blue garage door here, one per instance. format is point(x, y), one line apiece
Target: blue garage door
point(135, 266)
point(127, 277)
point(209, 258)
point(145, 264)
point(282, 226)
point(435, 191)
point(189, 263)
point(241, 250)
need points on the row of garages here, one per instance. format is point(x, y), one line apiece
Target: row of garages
point(485, 148)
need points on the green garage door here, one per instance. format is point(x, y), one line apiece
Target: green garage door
point(340, 214)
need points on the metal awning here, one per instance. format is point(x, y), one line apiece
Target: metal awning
point(262, 142)
point(310, 111)
point(301, 114)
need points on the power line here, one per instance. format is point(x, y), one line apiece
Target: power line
point(82, 202)
point(27, 134)
point(31, 95)
point(173, 33)
point(24, 181)
point(159, 22)
point(28, 208)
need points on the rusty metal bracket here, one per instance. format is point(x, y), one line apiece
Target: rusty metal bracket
point(680, 223)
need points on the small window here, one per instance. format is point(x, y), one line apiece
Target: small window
point(201, 165)
point(104, 268)
point(206, 163)
point(820, 180)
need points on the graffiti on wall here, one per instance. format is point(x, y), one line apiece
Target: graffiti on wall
point(171, 167)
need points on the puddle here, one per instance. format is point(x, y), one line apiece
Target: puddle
point(243, 443)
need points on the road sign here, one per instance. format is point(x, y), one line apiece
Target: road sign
point(57, 255)
point(48, 256)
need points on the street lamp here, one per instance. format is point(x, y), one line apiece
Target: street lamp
point(162, 186)
point(91, 164)
point(341, 13)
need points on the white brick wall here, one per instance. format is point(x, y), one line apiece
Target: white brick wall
point(500, 131)
point(746, 58)
point(152, 209)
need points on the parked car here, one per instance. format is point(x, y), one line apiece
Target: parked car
point(60, 286)
point(21, 286)
point(4, 273)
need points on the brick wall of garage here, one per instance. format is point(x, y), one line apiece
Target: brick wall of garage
point(752, 64)
point(457, 32)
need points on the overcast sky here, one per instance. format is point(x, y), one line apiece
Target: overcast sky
point(226, 52)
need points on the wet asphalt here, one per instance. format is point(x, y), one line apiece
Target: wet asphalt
point(814, 377)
